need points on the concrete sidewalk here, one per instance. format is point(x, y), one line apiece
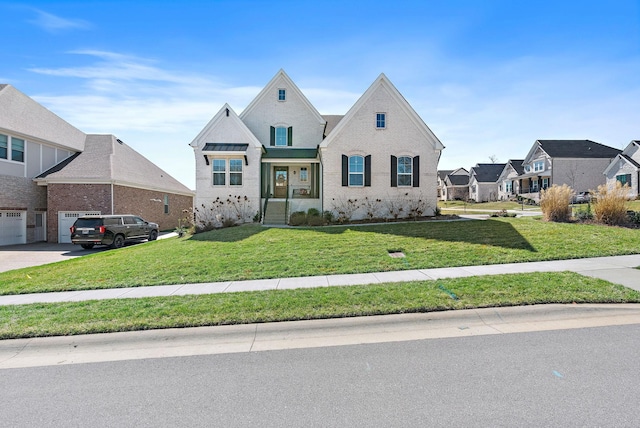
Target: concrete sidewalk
point(616, 269)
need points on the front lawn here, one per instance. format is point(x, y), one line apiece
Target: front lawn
point(253, 252)
point(329, 302)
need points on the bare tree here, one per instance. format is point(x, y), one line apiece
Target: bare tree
point(493, 159)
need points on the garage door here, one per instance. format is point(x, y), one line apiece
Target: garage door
point(13, 227)
point(66, 220)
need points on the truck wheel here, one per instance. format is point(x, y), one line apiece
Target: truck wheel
point(118, 242)
point(153, 235)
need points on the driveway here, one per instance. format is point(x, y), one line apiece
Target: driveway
point(41, 253)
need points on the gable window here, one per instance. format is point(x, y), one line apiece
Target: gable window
point(538, 166)
point(356, 170)
point(4, 146)
point(304, 174)
point(282, 94)
point(381, 120)
point(235, 172)
point(527, 168)
point(17, 149)
point(219, 172)
point(166, 204)
point(405, 172)
point(624, 179)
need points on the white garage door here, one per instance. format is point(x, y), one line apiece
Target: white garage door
point(13, 227)
point(66, 220)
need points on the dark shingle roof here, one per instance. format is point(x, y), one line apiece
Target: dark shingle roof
point(442, 173)
point(59, 166)
point(488, 172)
point(577, 149)
point(517, 165)
point(332, 121)
point(458, 180)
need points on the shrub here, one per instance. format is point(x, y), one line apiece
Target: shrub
point(634, 217)
point(328, 216)
point(315, 220)
point(311, 212)
point(584, 214)
point(555, 201)
point(298, 218)
point(610, 204)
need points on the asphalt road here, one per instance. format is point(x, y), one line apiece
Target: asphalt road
point(564, 378)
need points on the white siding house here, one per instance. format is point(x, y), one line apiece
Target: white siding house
point(625, 168)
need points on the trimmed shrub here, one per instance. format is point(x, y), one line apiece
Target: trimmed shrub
point(555, 203)
point(610, 206)
point(313, 212)
point(298, 218)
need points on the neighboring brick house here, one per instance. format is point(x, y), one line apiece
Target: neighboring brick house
point(454, 184)
point(508, 182)
point(625, 168)
point(284, 156)
point(580, 164)
point(483, 181)
point(52, 172)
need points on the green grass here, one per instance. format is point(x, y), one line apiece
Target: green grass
point(496, 206)
point(282, 305)
point(254, 252)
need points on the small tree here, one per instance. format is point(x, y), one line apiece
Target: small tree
point(610, 206)
point(555, 203)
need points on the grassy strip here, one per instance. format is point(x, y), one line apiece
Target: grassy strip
point(317, 303)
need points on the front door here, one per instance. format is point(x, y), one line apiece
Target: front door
point(281, 174)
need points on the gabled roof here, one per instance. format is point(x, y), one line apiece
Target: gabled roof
point(332, 121)
point(514, 165)
point(22, 115)
point(225, 113)
point(382, 82)
point(442, 173)
point(108, 160)
point(632, 144)
point(487, 172)
point(270, 89)
point(623, 158)
point(583, 149)
point(458, 180)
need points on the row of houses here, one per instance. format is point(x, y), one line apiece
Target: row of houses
point(583, 165)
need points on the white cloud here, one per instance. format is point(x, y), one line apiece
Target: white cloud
point(53, 23)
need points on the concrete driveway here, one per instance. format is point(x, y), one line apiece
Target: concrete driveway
point(26, 255)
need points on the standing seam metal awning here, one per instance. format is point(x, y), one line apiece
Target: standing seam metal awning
point(270, 154)
point(224, 149)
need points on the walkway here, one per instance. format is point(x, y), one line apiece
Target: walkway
point(617, 269)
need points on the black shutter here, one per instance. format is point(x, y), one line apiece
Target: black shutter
point(367, 171)
point(394, 171)
point(345, 170)
point(290, 136)
point(272, 141)
point(416, 171)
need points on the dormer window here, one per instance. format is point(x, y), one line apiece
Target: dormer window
point(282, 94)
point(381, 120)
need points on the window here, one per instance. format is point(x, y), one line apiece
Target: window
point(219, 172)
point(534, 185)
point(281, 136)
point(17, 149)
point(235, 172)
point(473, 188)
point(381, 120)
point(624, 179)
point(527, 168)
point(545, 183)
point(405, 171)
point(4, 146)
point(538, 166)
point(166, 204)
point(508, 186)
point(282, 94)
point(356, 171)
point(304, 174)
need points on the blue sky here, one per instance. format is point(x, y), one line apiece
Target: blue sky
point(488, 77)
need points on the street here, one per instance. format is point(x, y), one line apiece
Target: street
point(579, 377)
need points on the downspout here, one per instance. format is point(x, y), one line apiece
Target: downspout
point(112, 203)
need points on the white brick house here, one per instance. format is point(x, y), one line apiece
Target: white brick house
point(294, 158)
point(625, 168)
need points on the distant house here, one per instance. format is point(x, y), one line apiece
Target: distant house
point(577, 163)
point(51, 172)
point(280, 155)
point(625, 168)
point(508, 182)
point(455, 185)
point(483, 181)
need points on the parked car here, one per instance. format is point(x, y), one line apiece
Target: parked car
point(582, 198)
point(111, 230)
